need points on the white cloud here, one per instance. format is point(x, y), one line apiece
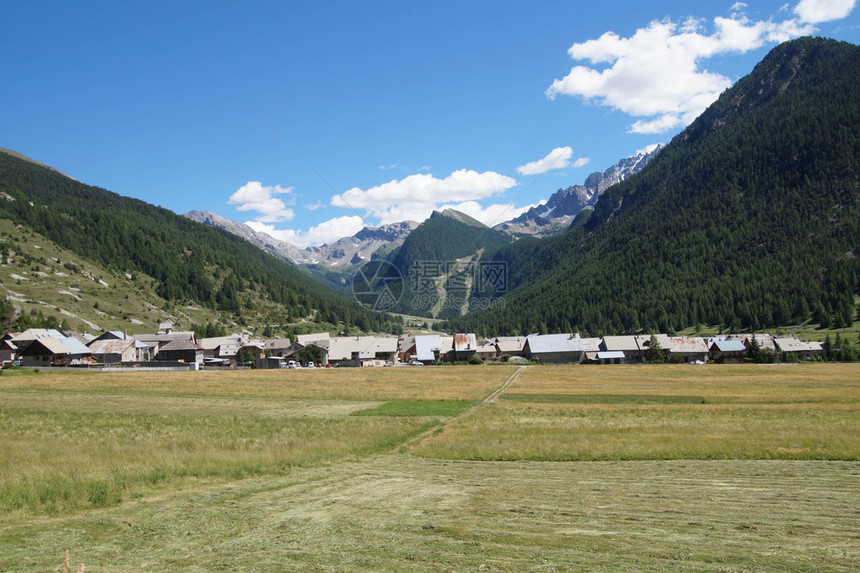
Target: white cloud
point(581, 162)
point(324, 233)
point(558, 158)
point(253, 196)
point(657, 73)
point(315, 206)
point(416, 196)
point(817, 11)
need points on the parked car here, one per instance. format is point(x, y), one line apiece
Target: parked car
point(416, 363)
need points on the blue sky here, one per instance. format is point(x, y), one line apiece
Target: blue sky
point(309, 120)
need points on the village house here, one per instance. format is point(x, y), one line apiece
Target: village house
point(690, 349)
point(424, 348)
point(487, 351)
point(362, 350)
point(116, 351)
point(793, 346)
point(626, 345)
point(282, 347)
point(590, 348)
point(224, 347)
point(186, 351)
point(764, 341)
point(727, 351)
point(159, 341)
point(554, 348)
point(465, 346)
point(644, 343)
point(8, 351)
point(511, 346)
point(52, 351)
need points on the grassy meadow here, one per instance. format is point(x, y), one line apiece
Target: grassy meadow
point(601, 468)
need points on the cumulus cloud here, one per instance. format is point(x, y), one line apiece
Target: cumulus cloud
point(657, 73)
point(818, 11)
point(254, 196)
point(416, 196)
point(558, 158)
point(324, 233)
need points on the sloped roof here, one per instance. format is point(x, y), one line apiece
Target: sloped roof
point(111, 346)
point(166, 338)
point(465, 342)
point(343, 347)
point(794, 344)
point(763, 340)
point(728, 345)
point(644, 341)
point(304, 339)
point(216, 341)
point(446, 343)
point(278, 343)
point(51, 345)
point(37, 334)
point(686, 345)
point(622, 343)
point(510, 343)
point(178, 345)
point(426, 345)
point(553, 343)
point(591, 344)
point(75, 346)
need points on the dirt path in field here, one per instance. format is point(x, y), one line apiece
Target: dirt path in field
point(415, 440)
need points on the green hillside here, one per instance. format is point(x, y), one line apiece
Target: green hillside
point(749, 219)
point(187, 264)
point(438, 262)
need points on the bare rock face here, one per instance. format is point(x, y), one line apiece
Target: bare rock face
point(343, 252)
point(557, 213)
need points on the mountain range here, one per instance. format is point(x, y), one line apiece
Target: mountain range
point(749, 218)
point(344, 252)
point(558, 212)
point(176, 264)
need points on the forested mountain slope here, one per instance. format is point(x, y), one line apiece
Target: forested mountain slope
point(750, 218)
point(438, 261)
point(189, 261)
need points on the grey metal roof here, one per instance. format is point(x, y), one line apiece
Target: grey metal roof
point(610, 355)
point(622, 343)
point(794, 344)
point(729, 346)
point(553, 343)
point(75, 346)
point(426, 346)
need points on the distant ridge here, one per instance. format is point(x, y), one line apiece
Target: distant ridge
point(561, 208)
point(750, 218)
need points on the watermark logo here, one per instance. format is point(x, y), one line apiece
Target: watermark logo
point(377, 285)
point(432, 285)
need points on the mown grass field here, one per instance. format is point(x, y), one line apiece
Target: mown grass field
point(650, 468)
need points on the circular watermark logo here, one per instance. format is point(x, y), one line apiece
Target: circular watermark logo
point(377, 285)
